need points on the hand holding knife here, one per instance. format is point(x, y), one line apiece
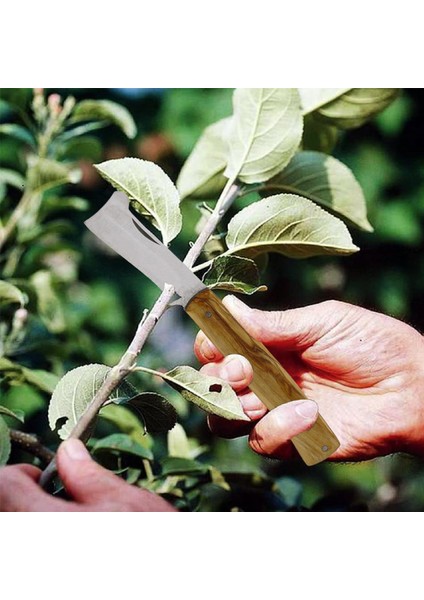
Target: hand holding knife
point(118, 228)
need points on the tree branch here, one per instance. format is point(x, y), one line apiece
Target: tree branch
point(118, 373)
point(15, 217)
point(227, 197)
point(31, 443)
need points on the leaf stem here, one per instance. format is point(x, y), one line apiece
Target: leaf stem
point(127, 363)
point(147, 370)
point(202, 266)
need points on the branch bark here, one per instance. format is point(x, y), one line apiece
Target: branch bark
point(31, 443)
point(144, 329)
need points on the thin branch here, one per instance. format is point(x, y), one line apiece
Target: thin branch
point(118, 373)
point(224, 202)
point(15, 217)
point(31, 443)
point(115, 375)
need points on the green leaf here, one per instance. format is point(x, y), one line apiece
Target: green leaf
point(290, 490)
point(178, 444)
point(43, 380)
point(18, 132)
point(202, 175)
point(8, 365)
point(392, 120)
point(289, 225)
point(48, 304)
point(24, 398)
point(318, 135)
point(44, 174)
point(325, 180)
point(54, 204)
point(125, 420)
point(75, 391)
point(132, 475)
point(83, 147)
point(10, 294)
point(218, 479)
point(397, 221)
point(156, 412)
point(234, 274)
point(172, 465)
point(120, 442)
point(357, 106)
point(185, 112)
point(81, 130)
point(5, 446)
point(12, 178)
point(146, 183)
point(17, 97)
point(209, 393)
point(215, 245)
point(106, 110)
point(106, 308)
point(60, 227)
point(10, 413)
point(265, 133)
point(13, 372)
point(314, 98)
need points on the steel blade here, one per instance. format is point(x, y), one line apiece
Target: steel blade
point(118, 228)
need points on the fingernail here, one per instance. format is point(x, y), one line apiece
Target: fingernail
point(75, 449)
point(207, 349)
point(307, 409)
point(233, 370)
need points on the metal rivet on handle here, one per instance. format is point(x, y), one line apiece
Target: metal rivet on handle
point(208, 314)
point(324, 448)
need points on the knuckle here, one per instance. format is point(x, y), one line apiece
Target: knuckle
point(277, 319)
point(334, 307)
point(260, 321)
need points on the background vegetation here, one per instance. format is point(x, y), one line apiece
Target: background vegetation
point(86, 312)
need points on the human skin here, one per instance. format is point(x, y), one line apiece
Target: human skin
point(91, 487)
point(364, 370)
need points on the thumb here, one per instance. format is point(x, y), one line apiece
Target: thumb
point(272, 434)
point(83, 478)
point(292, 329)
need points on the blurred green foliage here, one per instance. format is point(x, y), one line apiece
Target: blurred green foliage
point(93, 310)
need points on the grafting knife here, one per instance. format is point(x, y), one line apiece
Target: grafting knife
point(118, 228)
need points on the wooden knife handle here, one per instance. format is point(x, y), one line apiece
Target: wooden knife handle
point(271, 383)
